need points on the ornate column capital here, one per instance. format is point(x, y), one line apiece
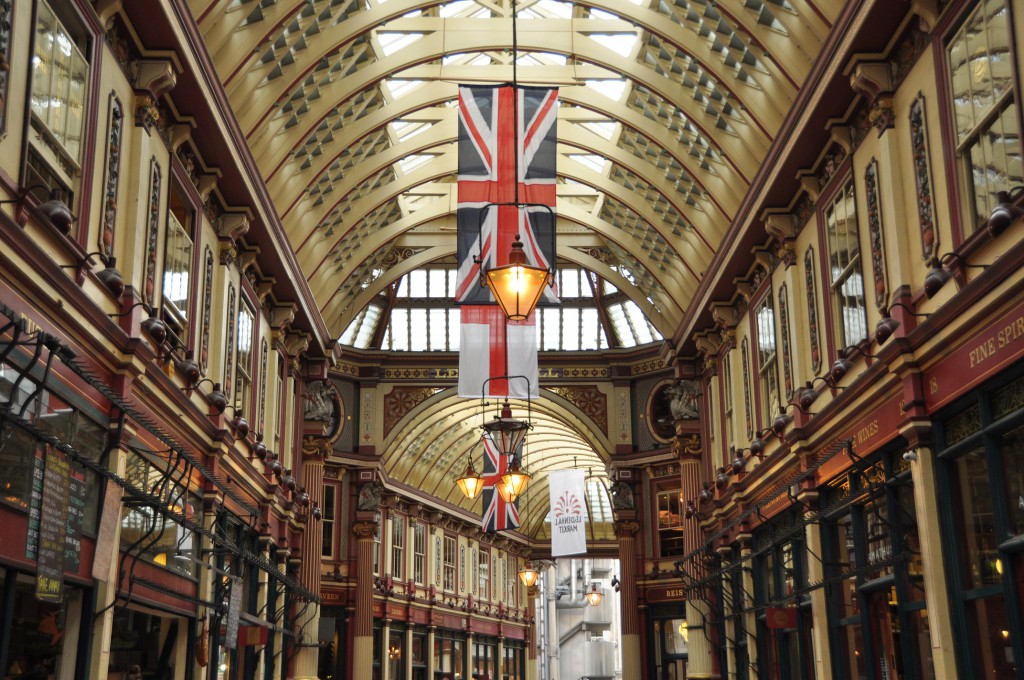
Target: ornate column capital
point(365, 528)
point(626, 528)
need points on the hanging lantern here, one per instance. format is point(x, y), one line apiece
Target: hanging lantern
point(518, 285)
point(471, 483)
point(594, 596)
point(528, 574)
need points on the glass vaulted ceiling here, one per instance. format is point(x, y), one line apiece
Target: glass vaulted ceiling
point(667, 110)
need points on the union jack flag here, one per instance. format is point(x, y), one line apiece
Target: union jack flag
point(487, 166)
point(487, 175)
point(498, 515)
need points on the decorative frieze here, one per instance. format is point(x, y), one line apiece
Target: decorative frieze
point(812, 309)
point(746, 389)
point(588, 399)
point(113, 172)
point(204, 331)
point(874, 215)
point(229, 344)
point(152, 231)
point(787, 362)
point(923, 178)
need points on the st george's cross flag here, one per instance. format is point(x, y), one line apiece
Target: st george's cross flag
point(488, 160)
point(568, 512)
point(499, 515)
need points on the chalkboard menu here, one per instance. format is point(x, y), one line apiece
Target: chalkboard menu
point(53, 524)
point(76, 503)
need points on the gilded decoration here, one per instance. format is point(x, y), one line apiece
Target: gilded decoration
point(626, 528)
point(962, 425)
point(264, 352)
point(812, 309)
point(401, 400)
point(568, 372)
point(687, 446)
point(590, 400)
point(649, 366)
point(875, 233)
point(113, 172)
point(1008, 399)
point(204, 331)
point(152, 231)
point(746, 389)
point(787, 361)
point(229, 354)
point(421, 373)
point(922, 178)
point(6, 13)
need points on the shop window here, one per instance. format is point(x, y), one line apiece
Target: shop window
point(670, 523)
point(985, 112)
point(449, 563)
point(398, 547)
point(514, 662)
point(767, 359)
point(141, 641)
point(244, 357)
point(396, 653)
point(147, 532)
point(877, 618)
point(780, 583)
point(419, 553)
point(845, 271)
point(59, 93)
point(981, 442)
point(485, 659)
point(36, 644)
point(484, 583)
point(327, 521)
point(449, 655)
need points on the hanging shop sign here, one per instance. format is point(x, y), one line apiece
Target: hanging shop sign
point(249, 636)
point(234, 613)
point(986, 353)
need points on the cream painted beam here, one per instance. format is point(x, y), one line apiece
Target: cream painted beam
point(325, 287)
point(793, 62)
point(809, 18)
point(439, 137)
point(312, 257)
point(564, 36)
point(286, 187)
point(271, 142)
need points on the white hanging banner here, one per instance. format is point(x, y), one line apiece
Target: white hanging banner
point(568, 512)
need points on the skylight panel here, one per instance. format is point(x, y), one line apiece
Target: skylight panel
point(601, 14)
point(555, 9)
point(401, 87)
point(407, 129)
point(620, 43)
point(410, 163)
point(589, 160)
point(360, 331)
point(612, 89)
point(605, 130)
point(452, 9)
point(393, 42)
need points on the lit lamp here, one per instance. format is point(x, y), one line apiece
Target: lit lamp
point(518, 285)
point(513, 482)
point(470, 482)
point(508, 433)
point(528, 574)
point(594, 595)
point(684, 631)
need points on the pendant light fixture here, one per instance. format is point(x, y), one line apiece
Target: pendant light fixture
point(471, 483)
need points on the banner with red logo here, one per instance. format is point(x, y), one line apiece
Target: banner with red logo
point(568, 512)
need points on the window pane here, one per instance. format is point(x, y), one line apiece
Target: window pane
point(991, 646)
point(1011, 447)
point(973, 509)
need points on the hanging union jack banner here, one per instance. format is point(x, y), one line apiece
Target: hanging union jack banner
point(490, 124)
point(499, 515)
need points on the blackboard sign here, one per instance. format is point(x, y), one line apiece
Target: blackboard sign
point(35, 504)
point(76, 518)
point(75, 513)
point(53, 523)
